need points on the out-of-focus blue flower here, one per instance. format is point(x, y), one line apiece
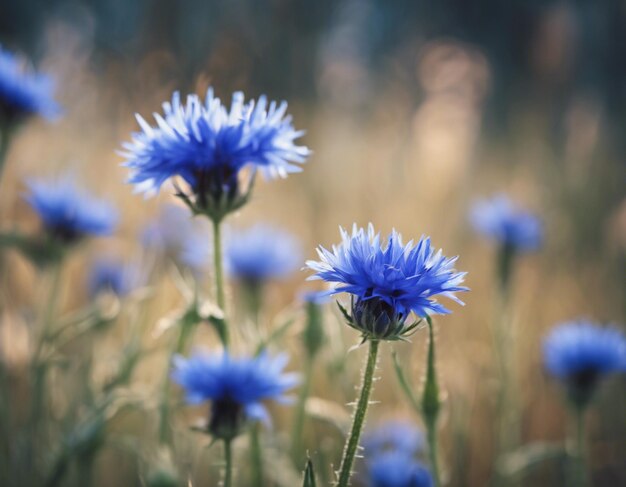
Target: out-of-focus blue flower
point(581, 353)
point(67, 212)
point(236, 387)
point(175, 234)
point(318, 298)
point(388, 282)
point(22, 92)
point(394, 436)
point(262, 253)
point(207, 145)
point(112, 275)
point(393, 469)
point(500, 220)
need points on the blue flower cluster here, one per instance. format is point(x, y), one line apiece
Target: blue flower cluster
point(390, 453)
point(23, 93)
point(394, 435)
point(499, 220)
point(388, 282)
point(67, 212)
point(175, 235)
point(394, 469)
point(581, 353)
point(262, 253)
point(208, 145)
point(235, 386)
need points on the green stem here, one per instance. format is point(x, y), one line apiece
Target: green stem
point(228, 458)
point(431, 405)
point(508, 412)
point(578, 469)
point(5, 139)
point(39, 365)
point(345, 471)
point(165, 435)
point(219, 276)
point(298, 423)
point(433, 455)
point(256, 458)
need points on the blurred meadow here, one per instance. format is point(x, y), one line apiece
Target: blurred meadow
point(413, 111)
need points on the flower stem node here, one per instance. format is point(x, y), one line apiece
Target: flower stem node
point(378, 320)
point(227, 419)
point(217, 195)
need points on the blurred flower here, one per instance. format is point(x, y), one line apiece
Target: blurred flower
point(208, 145)
point(387, 283)
point(23, 93)
point(68, 213)
point(394, 436)
point(111, 275)
point(315, 297)
point(498, 219)
point(393, 469)
point(235, 386)
point(262, 253)
point(581, 353)
point(175, 234)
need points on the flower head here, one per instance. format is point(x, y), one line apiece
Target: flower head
point(387, 282)
point(236, 387)
point(394, 436)
point(112, 275)
point(262, 253)
point(498, 219)
point(176, 235)
point(207, 145)
point(394, 469)
point(67, 212)
point(581, 353)
point(23, 93)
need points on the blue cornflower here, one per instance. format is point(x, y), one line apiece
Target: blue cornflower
point(389, 282)
point(24, 93)
point(262, 253)
point(207, 146)
point(112, 275)
point(500, 220)
point(394, 436)
point(394, 469)
point(67, 212)
point(176, 235)
point(317, 298)
point(236, 387)
point(581, 353)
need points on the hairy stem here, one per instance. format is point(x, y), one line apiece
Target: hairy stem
point(352, 444)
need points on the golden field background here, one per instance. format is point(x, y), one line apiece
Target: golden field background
point(387, 159)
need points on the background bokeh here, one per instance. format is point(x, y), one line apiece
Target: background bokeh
point(413, 110)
